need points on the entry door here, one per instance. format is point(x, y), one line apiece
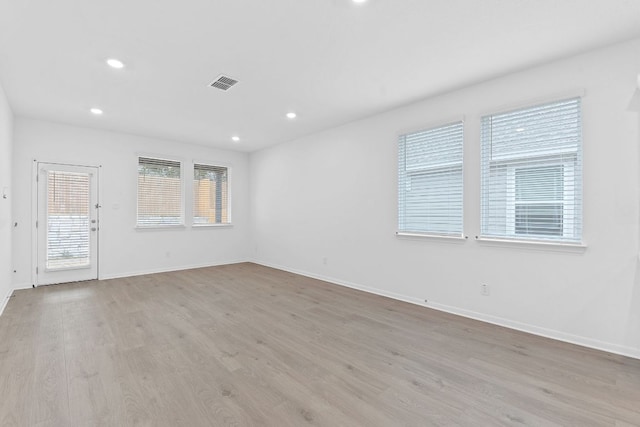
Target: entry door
point(67, 225)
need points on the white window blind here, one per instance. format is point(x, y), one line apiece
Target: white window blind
point(532, 173)
point(67, 220)
point(430, 181)
point(159, 192)
point(210, 194)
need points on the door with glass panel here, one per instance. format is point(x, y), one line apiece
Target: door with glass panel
point(67, 225)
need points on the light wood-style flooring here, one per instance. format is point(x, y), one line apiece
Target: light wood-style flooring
point(246, 345)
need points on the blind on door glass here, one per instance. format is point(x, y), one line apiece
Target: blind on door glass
point(159, 192)
point(210, 194)
point(68, 222)
point(430, 181)
point(532, 173)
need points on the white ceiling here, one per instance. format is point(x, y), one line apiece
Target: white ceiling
point(332, 61)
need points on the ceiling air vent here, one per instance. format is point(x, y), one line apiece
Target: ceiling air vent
point(223, 82)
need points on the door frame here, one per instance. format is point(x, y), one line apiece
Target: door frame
point(34, 215)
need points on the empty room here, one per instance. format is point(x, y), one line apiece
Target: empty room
point(327, 213)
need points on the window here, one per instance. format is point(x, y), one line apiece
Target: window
point(210, 195)
point(532, 173)
point(68, 207)
point(159, 192)
point(430, 181)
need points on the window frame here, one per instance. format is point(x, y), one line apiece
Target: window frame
point(429, 170)
point(229, 169)
point(182, 218)
point(572, 164)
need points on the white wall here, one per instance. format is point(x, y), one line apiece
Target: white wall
point(6, 139)
point(333, 195)
point(123, 249)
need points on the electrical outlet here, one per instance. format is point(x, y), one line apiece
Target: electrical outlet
point(484, 289)
point(324, 261)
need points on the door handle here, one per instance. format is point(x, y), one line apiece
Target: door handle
point(93, 229)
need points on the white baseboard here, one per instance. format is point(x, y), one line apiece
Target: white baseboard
point(543, 332)
point(507, 323)
point(5, 300)
point(169, 269)
point(21, 286)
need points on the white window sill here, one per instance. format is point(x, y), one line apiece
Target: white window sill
point(444, 237)
point(159, 227)
point(227, 225)
point(533, 244)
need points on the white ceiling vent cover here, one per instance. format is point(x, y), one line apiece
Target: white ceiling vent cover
point(223, 82)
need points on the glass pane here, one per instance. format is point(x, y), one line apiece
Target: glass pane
point(539, 219)
point(433, 202)
point(430, 180)
point(541, 183)
point(549, 129)
point(159, 192)
point(210, 195)
point(67, 220)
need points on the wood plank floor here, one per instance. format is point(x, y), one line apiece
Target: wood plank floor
point(244, 345)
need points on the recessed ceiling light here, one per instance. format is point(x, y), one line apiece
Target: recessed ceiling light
point(359, 1)
point(235, 138)
point(115, 63)
point(96, 111)
point(520, 130)
point(291, 115)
